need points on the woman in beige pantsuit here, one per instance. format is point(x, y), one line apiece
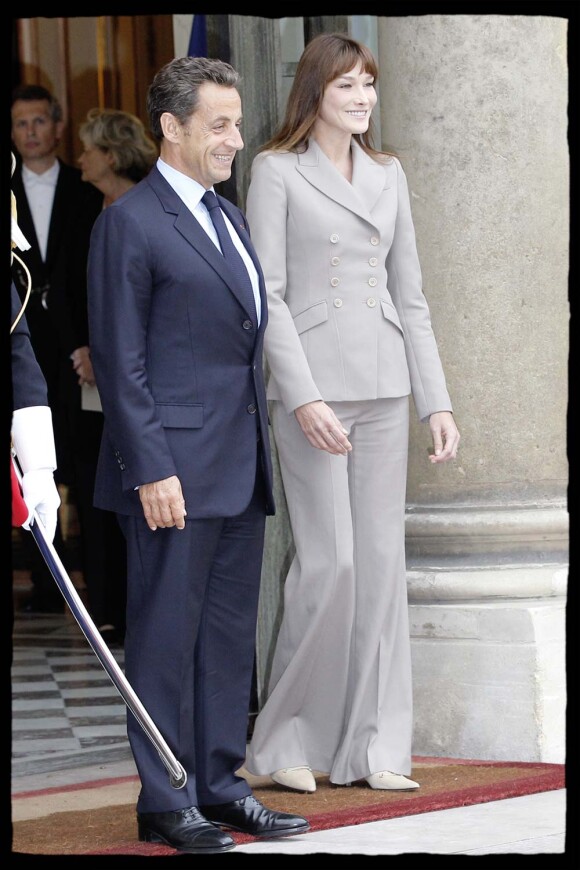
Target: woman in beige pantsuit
point(349, 338)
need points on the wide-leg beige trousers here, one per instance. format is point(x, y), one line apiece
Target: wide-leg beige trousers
point(340, 695)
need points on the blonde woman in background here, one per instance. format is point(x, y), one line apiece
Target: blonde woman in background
point(117, 152)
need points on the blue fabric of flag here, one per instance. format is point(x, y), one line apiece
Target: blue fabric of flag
point(198, 39)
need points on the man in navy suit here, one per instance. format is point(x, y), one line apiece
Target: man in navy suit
point(185, 462)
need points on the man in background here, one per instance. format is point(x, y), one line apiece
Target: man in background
point(53, 205)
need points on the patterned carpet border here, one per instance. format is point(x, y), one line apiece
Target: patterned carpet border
point(104, 831)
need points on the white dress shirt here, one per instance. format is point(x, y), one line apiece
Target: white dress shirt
point(40, 190)
point(191, 192)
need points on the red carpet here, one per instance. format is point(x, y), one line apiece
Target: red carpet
point(111, 829)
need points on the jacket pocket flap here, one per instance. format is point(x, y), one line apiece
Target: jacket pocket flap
point(180, 416)
point(311, 317)
point(390, 312)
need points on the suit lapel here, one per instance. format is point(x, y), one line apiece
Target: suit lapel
point(24, 215)
point(368, 179)
point(189, 227)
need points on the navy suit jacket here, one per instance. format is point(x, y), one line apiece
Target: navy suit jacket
point(177, 358)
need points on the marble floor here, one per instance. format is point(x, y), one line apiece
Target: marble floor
point(68, 724)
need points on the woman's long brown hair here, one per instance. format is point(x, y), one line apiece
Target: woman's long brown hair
point(325, 58)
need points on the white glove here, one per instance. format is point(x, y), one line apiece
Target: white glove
point(33, 440)
point(40, 494)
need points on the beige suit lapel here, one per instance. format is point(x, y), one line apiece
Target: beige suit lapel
point(368, 179)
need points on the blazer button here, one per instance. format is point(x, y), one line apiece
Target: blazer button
point(337, 303)
point(251, 409)
point(372, 281)
point(335, 282)
point(247, 324)
point(374, 240)
point(371, 302)
point(334, 238)
point(373, 261)
point(335, 261)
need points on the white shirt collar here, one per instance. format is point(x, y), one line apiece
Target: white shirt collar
point(187, 188)
point(50, 177)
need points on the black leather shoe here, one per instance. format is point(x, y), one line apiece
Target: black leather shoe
point(185, 830)
point(249, 816)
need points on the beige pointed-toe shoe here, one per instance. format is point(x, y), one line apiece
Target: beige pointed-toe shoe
point(296, 778)
point(393, 781)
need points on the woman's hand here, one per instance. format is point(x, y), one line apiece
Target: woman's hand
point(445, 436)
point(323, 428)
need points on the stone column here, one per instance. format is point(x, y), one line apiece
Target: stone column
point(252, 45)
point(315, 25)
point(475, 106)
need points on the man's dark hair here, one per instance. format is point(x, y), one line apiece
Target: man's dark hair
point(175, 88)
point(37, 92)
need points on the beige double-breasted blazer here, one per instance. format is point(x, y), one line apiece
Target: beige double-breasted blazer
point(348, 319)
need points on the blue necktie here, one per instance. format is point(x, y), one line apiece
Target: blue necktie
point(230, 252)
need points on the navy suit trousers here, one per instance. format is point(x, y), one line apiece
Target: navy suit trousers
point(189, 650)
